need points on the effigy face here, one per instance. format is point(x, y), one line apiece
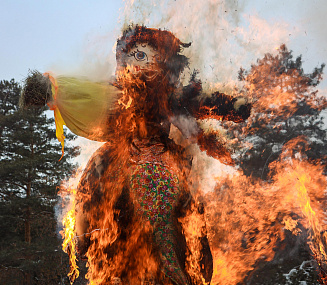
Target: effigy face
point(144, 60)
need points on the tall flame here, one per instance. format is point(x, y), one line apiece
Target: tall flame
point(69, 236)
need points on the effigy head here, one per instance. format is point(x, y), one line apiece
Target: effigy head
point(149, 53)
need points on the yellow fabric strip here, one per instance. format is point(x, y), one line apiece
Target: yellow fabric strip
point(58, 118)
point(60, 129)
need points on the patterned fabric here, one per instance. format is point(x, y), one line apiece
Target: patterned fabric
point(156, 191)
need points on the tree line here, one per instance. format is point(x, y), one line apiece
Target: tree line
point(30, 176)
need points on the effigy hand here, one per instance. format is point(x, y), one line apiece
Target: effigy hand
point(36, 90)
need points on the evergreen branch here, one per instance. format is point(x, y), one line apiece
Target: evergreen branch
point(11, 267)
point(18, 185)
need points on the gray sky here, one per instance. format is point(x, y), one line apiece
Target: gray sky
point(37, 34)
point(64, 35)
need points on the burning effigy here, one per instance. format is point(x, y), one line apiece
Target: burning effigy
point(133, 216)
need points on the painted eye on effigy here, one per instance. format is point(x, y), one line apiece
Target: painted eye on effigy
point(140, 56)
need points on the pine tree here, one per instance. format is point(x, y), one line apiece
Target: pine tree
point(286, 106)
point(30, 173)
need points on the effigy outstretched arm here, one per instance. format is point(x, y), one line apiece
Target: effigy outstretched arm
point(221, 107)
point(84, 106)
point(191, 105)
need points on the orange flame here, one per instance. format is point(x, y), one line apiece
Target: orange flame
point(69, 240)
point(247, 219)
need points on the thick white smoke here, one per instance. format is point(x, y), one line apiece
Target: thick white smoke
point(223, 37)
